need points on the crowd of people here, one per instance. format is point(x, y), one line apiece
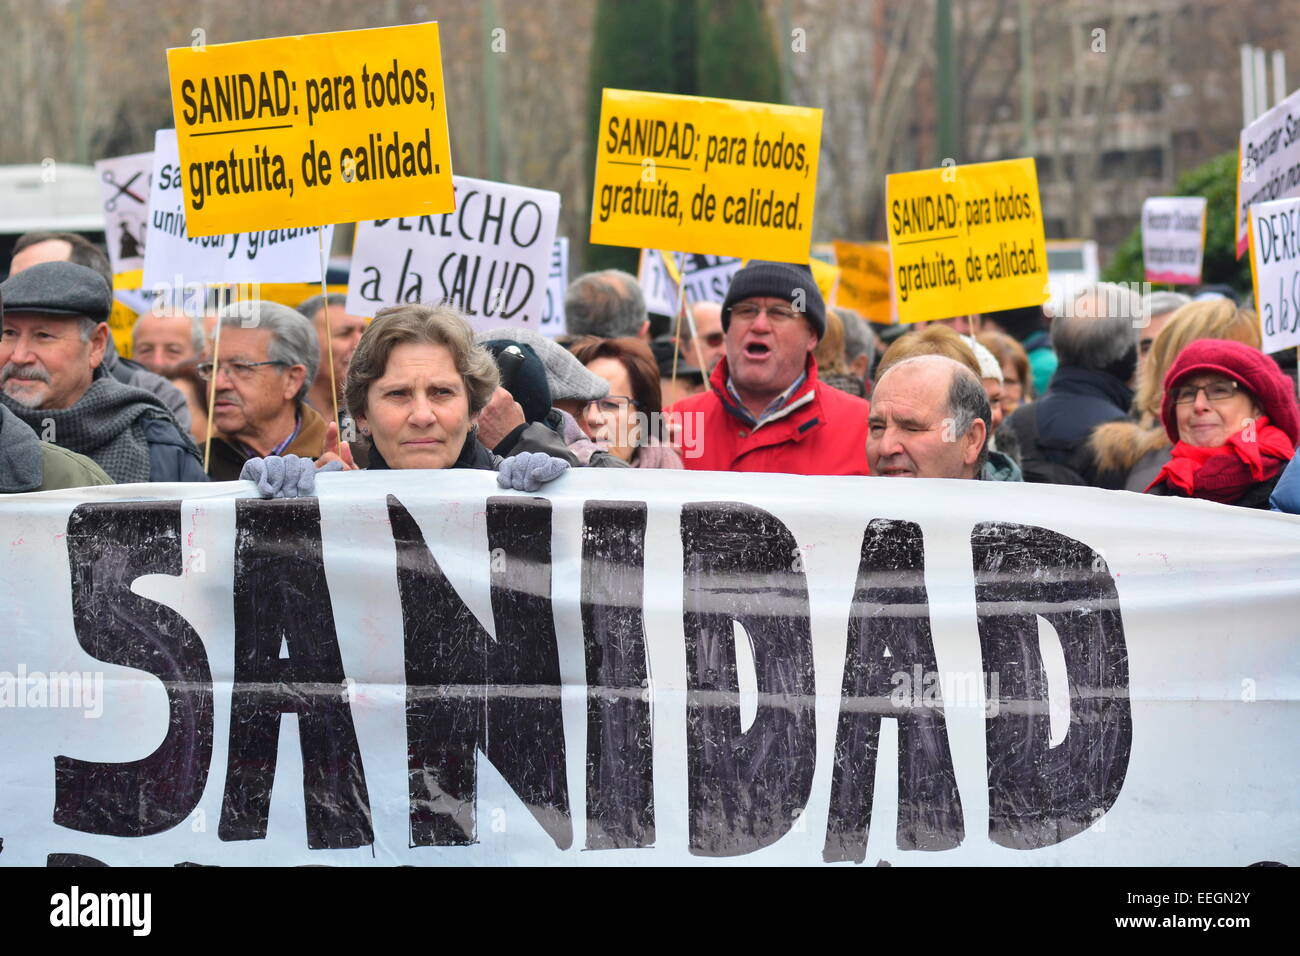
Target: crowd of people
point(1162, 395)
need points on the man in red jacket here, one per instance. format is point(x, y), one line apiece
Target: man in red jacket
point(766, 410)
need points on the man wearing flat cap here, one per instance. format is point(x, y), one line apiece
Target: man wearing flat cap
point(53, 336)
point(765, 409)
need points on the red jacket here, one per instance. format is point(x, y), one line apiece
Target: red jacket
point(827, 435)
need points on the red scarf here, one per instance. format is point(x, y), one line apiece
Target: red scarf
point(1227, 472)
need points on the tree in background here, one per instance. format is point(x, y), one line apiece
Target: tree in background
point(735, 56)
point(722, 49)
point(1217, 182)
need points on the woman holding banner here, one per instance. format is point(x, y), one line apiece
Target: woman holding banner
point(1233, 419)
point(416, 385)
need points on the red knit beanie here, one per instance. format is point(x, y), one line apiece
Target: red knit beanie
point(1273, 391)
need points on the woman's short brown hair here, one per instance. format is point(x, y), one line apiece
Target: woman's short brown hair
point(642, 370)
point(932, 340)
point(420, 325)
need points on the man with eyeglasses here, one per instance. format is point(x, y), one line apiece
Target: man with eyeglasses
point(268, 355)
point(53, 339)
point(710, 342)
point(765, 409)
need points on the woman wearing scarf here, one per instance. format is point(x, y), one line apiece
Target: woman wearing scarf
point(416, 385)
point(1233, 419)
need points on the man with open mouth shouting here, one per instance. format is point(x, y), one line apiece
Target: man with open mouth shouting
point(765, 409)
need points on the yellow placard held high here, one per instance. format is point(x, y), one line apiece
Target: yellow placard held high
point(966, 239)
point(312, 130)
point(864, 279)
point(718, 177)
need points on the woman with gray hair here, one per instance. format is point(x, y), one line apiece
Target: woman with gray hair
point(415, 388)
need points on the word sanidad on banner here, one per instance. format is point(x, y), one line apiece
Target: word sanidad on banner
point(966, 239)
point(830, 683)
point(312, 130)
point(722, 177)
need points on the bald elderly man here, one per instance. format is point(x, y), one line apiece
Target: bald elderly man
point(930, 418)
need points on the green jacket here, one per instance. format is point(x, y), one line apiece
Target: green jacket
point(29, 464)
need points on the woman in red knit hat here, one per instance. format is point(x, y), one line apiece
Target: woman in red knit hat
point(1234, 422)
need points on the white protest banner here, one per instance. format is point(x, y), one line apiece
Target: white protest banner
point(1275, 271)
point(172, 261)
point(1173, 238)
point(662, 667)
point(707, 277)
point(490, 258)
point(1268, 162)
point(124, 183)
point(658, 284)
point(557, 284)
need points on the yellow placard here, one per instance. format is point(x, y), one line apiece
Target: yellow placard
point(120, 322)
point(718, 177)
point(312, 130)
point(826, 276)
point(128, 280)
point(865, 283)
point(966, 239)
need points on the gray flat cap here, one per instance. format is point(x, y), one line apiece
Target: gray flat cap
point(58, 288)
point(567, 377)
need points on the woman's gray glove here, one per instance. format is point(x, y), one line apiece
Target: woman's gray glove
point(284, 477)
point(529, 470)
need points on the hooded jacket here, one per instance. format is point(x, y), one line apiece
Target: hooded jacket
point(820, 431)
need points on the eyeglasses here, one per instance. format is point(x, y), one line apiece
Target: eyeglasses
point(611, 404)
point(1214, 392)
point(240, 371)
point(747, 312)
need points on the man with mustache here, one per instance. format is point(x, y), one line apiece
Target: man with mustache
point(766, 409)
point(53, 338)
point(268, 356)
point(33, 248)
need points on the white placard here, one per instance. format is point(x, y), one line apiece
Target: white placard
point(657, 283)
point(124, 184)
point(1268, 162)
point(1173, 238)
point(1275, 269)
point(708, 277)
point(173, 261)
point(490, 258)
point(648, 667)
point(557, 284)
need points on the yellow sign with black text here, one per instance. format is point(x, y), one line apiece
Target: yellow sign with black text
point(312, 130)
point(709, 176)
point(864, 279)
point(966, 239)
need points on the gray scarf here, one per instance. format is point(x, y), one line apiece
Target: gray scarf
point(106, 424)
